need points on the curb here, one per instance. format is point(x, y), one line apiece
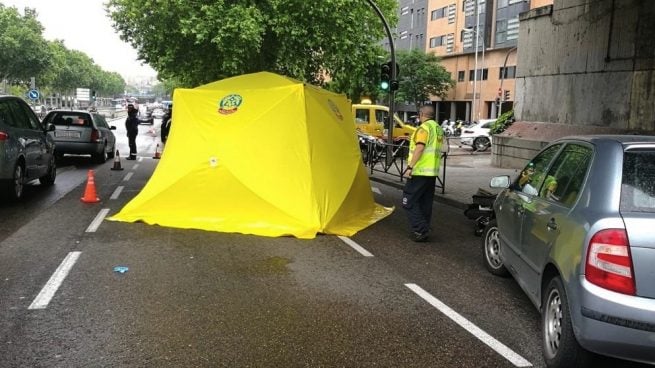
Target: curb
point(437, 196)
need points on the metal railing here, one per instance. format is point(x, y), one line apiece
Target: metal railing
point(377, 158)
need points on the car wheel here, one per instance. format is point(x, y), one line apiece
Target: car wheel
point(49, 178)
point(491, 250)
point(112, 153)
point(101, 157)
point(481, 144)
point(14, 188)
point(559, 343)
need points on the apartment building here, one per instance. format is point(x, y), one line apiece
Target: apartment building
point(454, 31)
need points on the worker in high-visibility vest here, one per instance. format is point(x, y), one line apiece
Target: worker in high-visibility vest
point(422, 171)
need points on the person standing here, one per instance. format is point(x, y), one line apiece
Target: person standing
point(166, 121)
point(132, 127)
point(422, 171)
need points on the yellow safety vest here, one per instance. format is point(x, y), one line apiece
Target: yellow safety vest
point(428, 164)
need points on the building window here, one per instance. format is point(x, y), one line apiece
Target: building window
point(507, 73)
point(452, 9)
point(439, 13)
point(483, 74)
point(437, 41)
point(507, 30)
point(461, 75)
point(502, 4)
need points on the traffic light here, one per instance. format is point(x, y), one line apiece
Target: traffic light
point(93, 95)
point(385, 76)
point(506, 95)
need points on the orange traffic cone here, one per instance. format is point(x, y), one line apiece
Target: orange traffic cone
point(117, 162)
point(157, 153)
point(90, 195)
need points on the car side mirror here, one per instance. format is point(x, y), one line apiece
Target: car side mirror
point(50, 127)
point(499, 181)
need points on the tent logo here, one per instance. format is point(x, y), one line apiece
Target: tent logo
point(335, 109)
point(229, 104)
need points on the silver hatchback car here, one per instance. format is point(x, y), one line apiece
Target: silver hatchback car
point(576, 229)
point(82, 132)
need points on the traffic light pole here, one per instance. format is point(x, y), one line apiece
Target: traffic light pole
point(502, 78)
point(393, 79)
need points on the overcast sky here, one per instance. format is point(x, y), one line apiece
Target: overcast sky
point(84, 26)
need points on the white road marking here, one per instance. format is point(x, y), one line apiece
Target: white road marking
point(356, 246)
point(140, 159)
point(117, 192)
point(376, 190)
point(43, 299)
point(498, 346)
point(97, 221)
point(128, 176)
point(135, 167)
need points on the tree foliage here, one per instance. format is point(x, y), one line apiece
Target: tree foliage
point(198, 42)
point(421, 76)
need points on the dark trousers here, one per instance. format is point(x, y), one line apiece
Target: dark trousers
point(131, 139)
point(418, 195)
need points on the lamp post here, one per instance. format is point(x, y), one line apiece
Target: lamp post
point(475, 101)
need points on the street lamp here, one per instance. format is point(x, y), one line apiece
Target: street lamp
point(475, 104)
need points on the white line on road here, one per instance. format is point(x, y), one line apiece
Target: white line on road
point(97, 221)
point(376, 190)
point(117, 192)
point(128, 176)
point(135, 167)
point(43, 299)
point(356, 246)
point(498, 346)
point(140, 159)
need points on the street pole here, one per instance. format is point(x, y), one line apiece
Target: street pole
point(474, 105)
point(502, 78)
point(393, 79)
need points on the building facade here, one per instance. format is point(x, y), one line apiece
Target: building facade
point(454, 31)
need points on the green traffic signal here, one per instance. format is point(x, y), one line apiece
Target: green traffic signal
point(384, 85)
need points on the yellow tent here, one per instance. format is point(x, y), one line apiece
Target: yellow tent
point(259, 154)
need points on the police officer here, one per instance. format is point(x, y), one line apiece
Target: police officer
point(132, 127)
point(422, 170)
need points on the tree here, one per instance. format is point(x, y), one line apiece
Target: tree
point(198, 42)
point(24, 51)
point(421, 76)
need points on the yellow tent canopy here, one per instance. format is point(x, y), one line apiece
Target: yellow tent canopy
point(259, 154)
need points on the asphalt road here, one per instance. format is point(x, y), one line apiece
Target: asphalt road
point(193, 298)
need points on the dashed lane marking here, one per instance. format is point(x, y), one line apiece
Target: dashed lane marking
point(128, 176)
point(48, 292)
point(496, 345)
point(117, 192)
point(135, 167)
point(97, 221)
point(356, 246)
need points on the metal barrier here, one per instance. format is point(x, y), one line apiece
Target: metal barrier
point(375, 157)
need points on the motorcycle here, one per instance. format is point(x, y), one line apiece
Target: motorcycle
point(448, 128)
point(481, 210)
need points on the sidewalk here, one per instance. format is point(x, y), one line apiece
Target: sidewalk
point(465, 173)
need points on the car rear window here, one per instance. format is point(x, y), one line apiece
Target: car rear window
point(638, 184)
point(70, 119)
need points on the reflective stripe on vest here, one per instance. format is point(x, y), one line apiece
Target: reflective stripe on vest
point(429, 162)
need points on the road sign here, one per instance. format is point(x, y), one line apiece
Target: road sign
point(33, 94)
point(83, 94)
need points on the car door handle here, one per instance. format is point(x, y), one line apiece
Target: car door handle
point(552, 225)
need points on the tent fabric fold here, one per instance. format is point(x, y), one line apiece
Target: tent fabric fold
point(259, 154)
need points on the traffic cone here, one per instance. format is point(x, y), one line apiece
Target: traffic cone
point(90, 195)
point(117, 162)
point(157, 153)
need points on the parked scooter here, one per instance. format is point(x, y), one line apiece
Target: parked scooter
point(448, 128)
point(481, 210)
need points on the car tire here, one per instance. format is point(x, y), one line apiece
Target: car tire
point(49, 178)
point(101, 157)
point(112, 153)
point(481, 144)
point(560, 347)
point(491, 250)
point(13, 189)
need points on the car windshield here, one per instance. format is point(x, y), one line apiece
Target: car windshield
point(638, 184)
point(69, 119)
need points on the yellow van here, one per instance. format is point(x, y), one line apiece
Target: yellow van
point(369, 119)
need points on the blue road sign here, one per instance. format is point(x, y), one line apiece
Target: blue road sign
point(33, 94)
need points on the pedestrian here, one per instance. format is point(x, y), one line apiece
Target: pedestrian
point(166, 121)
point(132, 127)
point(422, 170)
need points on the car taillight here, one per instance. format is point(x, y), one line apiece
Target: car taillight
point(609, 264)
point(95, 135)
point(3, 136)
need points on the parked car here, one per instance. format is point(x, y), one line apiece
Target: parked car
point(26, 149)
point(575, 229)
point(478, 135)
point(82, 132)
